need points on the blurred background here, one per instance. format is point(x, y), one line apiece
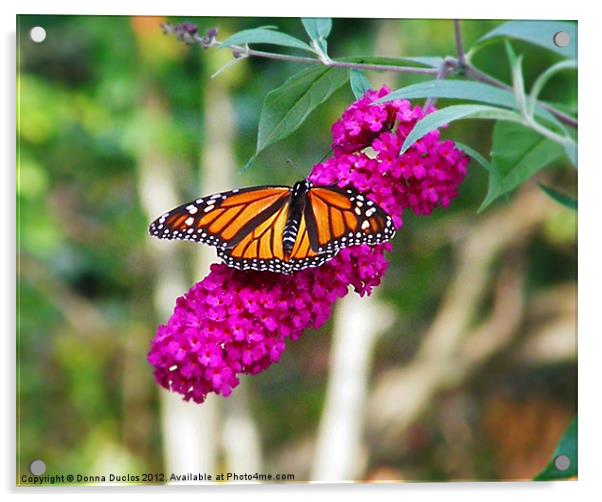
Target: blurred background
point(461, 366)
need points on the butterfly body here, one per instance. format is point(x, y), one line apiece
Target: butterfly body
point(278, 228)
point(295, 213)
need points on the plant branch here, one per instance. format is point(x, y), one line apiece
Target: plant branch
point(331, 63)
point(544, 131)
point(448, 65)
point(188, 33)
point(244, 52)
point(459, 45)
point(473, 74)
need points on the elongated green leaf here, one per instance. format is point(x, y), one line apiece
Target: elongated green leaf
point(567, 447)
point(428, 62)
point(539, 33)
point(317, 28)
point(543, 79)
point(571, 152)
point(471, 152)
point(518, 81)
point(453, 89)
point(563, 200)
point(491, 168)
point(287, 107)
point(359, 83)
point(463, 89)
point(517, 154)
point(450, 114)
point(265, 36)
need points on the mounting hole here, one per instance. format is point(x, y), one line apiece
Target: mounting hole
point(562, 39)
point(37, 467)
point(562, 462)
point(37, 34)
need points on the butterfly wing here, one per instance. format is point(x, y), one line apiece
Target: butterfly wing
point(247, 226)
point(340, 218)
point(304, 254)
point(332, 219)
point(263, 248)
point(224, 219)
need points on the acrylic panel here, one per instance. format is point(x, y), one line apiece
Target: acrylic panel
point(395, 302)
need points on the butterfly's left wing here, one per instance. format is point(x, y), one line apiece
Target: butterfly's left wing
point(223, 219)
point(338, 218)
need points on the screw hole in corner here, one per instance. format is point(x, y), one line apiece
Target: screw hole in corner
point(562, 39)
point(37, 34)
point(562, 462)
point(37, 467)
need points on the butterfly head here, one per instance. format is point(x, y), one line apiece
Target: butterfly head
point(301, 187)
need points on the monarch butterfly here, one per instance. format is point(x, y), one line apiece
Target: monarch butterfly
point(278, 228)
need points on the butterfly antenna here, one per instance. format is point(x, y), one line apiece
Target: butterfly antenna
point(292, 164)
point(325, 155)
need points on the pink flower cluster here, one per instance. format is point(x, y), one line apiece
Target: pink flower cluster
point(426, 176)
point(234, 322)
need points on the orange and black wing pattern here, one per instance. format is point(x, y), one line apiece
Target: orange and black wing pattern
point(341, 218)
point(223, 219)
point(277, 228)
point(263, 248)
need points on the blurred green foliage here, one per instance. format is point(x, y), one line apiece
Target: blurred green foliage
point(85, 313)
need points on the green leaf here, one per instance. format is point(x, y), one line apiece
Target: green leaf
point(450, 114)
point(359, 83)
point(542, 80)
point(265, 36)
point(571, 152)
point(462, 89)
point(471, 152)
point(428, 62)
point(286, 107)
point(249, 163)
point(229, 64)
point(567, 446)
point(492, 169)
point(517, 154)
point(562, 199)
point(518, 82)
point(539, 33)
point(318, 30)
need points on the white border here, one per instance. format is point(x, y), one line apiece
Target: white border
point(590, 417)
point(464, 9)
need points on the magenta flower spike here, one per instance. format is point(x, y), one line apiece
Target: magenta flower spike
point(235, 322)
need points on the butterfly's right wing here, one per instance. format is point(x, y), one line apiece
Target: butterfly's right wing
point(340, 218)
